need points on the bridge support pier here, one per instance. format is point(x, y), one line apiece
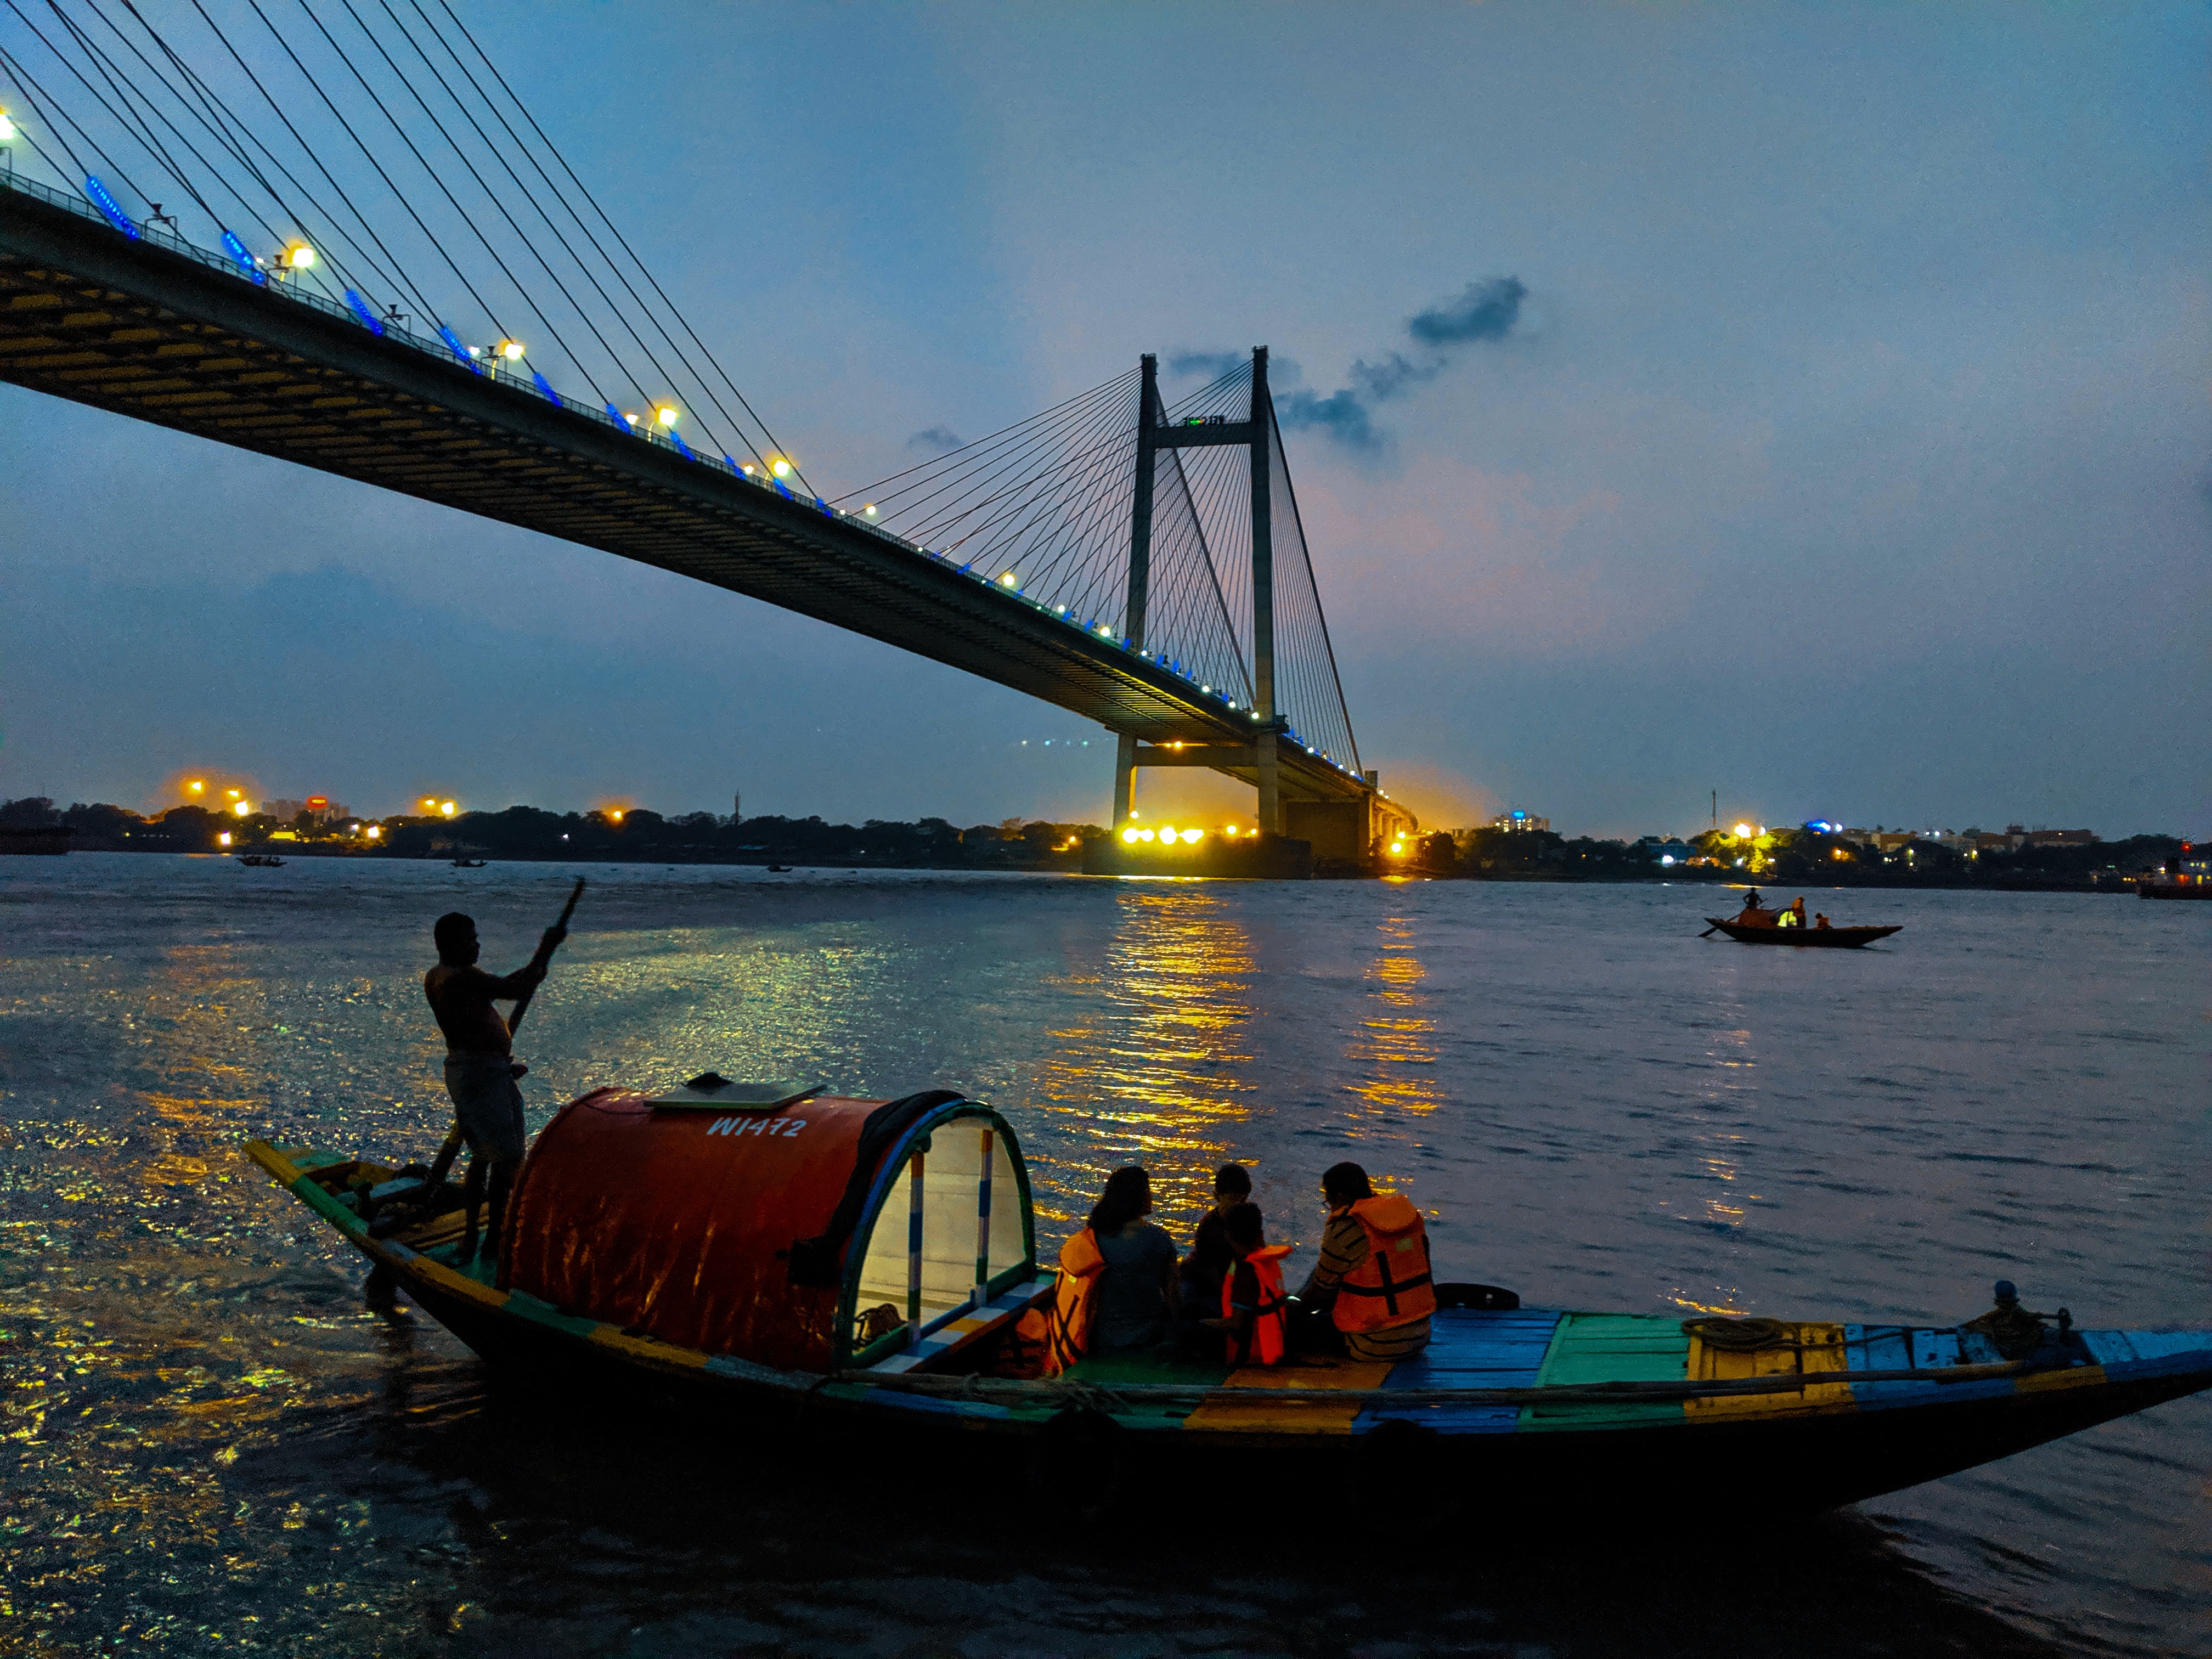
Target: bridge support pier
point(1125, 779)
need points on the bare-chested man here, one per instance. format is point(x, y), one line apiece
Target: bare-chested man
point(480, 1064)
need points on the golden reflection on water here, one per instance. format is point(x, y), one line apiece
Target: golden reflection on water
point(1393, 1052)
point(1154, 1069)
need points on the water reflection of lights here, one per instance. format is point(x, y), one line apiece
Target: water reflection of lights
point(1155, 1074)
point(1395, 1045)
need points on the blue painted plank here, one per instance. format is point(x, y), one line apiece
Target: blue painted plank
point(1470, 1350)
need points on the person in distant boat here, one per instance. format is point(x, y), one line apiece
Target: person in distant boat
point(1820, 923)
point(1372, 1283)
point(1794, 916)
point(480, 1064)
point(1755, 914)
point(1253, 1324)
point(1126, 1265)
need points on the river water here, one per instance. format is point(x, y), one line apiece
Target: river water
point(213, 1446)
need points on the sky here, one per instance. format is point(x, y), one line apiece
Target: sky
point(1804, 405)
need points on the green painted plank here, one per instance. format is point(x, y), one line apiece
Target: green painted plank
point(1610, 1348)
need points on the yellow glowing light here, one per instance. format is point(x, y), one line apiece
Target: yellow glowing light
point(1398, 849)
point(615, 814)
point(6, 127)
point(1192, 834)
point(196, 786)
point(298, 256)
point(223, 839)
point(869, 509)
point(1743, 830)
point(374, 831)
point(667, 415)
point(1167, 832)
point(1144, 835)
point(445, 807)
point(511, 350)
point(429, 804)
point(780, 467)
point(243, 808)
point(1228, 829)
point(1132, 835)
point(1006, 580)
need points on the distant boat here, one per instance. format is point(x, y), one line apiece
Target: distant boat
point(2173, 887)
point(46, 843)
point(468, 864)
point(262, 860)
point(1834, 939)
point(780, 869)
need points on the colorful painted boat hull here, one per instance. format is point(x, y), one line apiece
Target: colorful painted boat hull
point(1824, 1439)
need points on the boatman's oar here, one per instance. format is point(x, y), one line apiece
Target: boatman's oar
point(452, 1149)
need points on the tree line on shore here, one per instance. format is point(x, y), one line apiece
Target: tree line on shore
point(1804, 858)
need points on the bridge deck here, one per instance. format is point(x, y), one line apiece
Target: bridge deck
point(148, 332)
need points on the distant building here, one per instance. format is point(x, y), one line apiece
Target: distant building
point(320, 808)
point(2062, 838)
point(1667, 850)
point(1519, 819)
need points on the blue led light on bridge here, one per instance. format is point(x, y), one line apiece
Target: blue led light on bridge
point(369, 319)
point(616, 415)
point(107, 204)
point(545, 387)
point(460, 350)
point(248, 266)
point(681, 448)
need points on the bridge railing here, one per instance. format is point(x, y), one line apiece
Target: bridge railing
point(450, 350)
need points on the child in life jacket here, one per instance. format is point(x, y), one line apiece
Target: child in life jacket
point(1252, 1301)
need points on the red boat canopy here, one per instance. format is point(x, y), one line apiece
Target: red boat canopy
point(681, 1224)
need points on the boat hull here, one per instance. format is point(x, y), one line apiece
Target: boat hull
point(1828, 938)
point(1839, 1427)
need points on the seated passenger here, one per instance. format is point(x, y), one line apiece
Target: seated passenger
point(1820, 923)
point(1211, 1258)
point(1252, 1321)
point(1135, 1295)
point(1373, 1277)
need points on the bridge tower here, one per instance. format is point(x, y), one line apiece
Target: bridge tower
point(1254, 432)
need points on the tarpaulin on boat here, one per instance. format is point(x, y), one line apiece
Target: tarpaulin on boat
point(684, 1224)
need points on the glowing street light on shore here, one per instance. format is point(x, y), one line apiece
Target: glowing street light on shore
point(243, 808)
point(1743, 832)
point(197, 786)
point(446, 808)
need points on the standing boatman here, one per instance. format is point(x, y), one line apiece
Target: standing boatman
point(480, 1064)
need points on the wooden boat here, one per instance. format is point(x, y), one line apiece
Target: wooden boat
point(261, 860)
point(848, 1274)
point(2173, 887)
point(1834, 939)
point(468, 864)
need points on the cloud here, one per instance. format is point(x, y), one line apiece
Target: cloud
point(1341, 415)
point(940, 438)
point(1486, 310)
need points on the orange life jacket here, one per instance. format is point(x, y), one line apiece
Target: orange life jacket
point(1267, 1336)
point(1393, 1285)
point(1074, 1299)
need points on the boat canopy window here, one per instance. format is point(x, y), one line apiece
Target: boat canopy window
point(953, 1250)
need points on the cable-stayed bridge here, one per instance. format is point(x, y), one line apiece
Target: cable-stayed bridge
point(1140, 563)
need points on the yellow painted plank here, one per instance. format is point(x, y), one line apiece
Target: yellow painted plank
point(2081, 1377)
point(1289, 1417)
point(1822, 1352)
